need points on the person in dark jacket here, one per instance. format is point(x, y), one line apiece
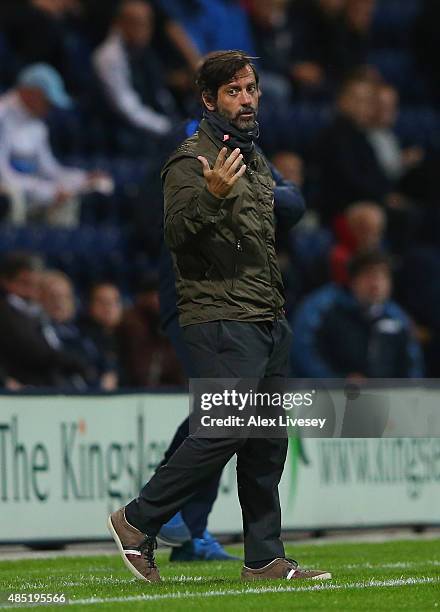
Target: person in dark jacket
point(348, 167)
point(99, 329)
point(320, 25)
point(57, 298)
point(130, 75)
point(219, 225)
point(27, 353)
point(356, 36)
point(48, 23)
point(378, 341)
point(192, 522)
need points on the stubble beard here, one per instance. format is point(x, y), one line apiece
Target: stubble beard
point(244, 125)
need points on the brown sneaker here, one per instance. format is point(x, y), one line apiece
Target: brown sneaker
point(137, 549)
point(280, 569)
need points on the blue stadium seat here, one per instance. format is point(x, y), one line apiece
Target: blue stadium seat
point(397, 66)
point(84, 240)
point(419, 125)
point(311, 245)
point(393, 21)
point(296, 128)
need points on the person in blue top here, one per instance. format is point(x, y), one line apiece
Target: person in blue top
point(211, 24)
point(355, 332)
point(187, 531)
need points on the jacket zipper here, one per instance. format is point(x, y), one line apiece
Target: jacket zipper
point(238, 249)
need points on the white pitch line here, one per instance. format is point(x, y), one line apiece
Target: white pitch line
point(398, 582)
point(396, 565)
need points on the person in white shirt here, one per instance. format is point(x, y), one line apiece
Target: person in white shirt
point(37, 185)
point(394, 160)
point(113, 61)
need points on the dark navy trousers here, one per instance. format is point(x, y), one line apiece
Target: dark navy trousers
point(226, 349)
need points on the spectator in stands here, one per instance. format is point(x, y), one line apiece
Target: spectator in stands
point(35, 31)
point(57, 299)
point(212, 24)
point(358, 332)
point(311, 43)
point(49, 31)
point(358, 19)
point(8, 383)
point(275, 45)
point(99, 327)
point(393, 159)
point(37, 185)
point(170, 40)
point(129, 71)
point(320, 26)
point(362, 230)
point(348, 167)
point(28, 354)
point(406, 170)
point(147, 356)
point(291, 167)
point(412, 171)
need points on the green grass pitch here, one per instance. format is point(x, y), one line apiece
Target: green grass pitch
point(395, 575)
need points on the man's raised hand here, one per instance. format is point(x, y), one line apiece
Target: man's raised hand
point(225, 173)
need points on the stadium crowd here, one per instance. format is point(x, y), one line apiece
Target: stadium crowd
point(92, 94)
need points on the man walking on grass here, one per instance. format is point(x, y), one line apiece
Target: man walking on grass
point(219, 226)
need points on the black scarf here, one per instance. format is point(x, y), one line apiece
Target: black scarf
point(236, 138)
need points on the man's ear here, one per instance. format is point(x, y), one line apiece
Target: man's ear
point(208, 101)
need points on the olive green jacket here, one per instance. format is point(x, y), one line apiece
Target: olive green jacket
point(223, 249)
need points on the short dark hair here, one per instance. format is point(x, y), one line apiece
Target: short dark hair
point(97, 285)
point(361, 74)
point(118, 13)
point(361, 262)
point(219, 68)
point(17, 261)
